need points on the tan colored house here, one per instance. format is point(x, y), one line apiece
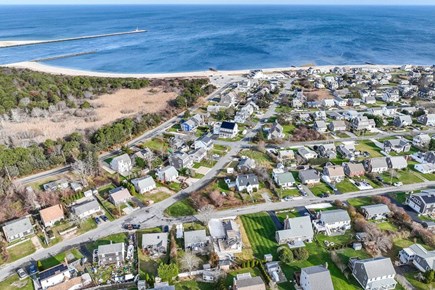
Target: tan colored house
point(51, 215)
point(119, 195)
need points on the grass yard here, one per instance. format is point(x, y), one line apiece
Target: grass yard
point(57, 259)
point(347, 253)
point(406, 177)
point(320, 188)
point(337, 240)
point(428, 176)
point(318, 256)
point(14, 283)
point(399, 196)
point(360, 201)
point(261, 233)
point(194, 285)
point(156, 144)
point(387, 226)
point(412, 278)
point(180, 208)
point(370, 147)
point(21, 250)
point(346, 186)
point(288, 129)
point(175, 186)
point(262, 159)
point(155, 197)
point(86, 225)
point(289, 192)
point(290, 213)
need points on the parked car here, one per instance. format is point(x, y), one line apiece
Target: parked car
point(97, 221)
point(397, 184)
point(104, 218)
point(131, 226)
point(33, 269)
point(379, 178)
point(21, 273)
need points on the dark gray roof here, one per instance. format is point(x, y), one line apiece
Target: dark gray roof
point(319, 278)
point(246, 179)
point(333, 216)
point(377, 267)
point(192, 237)
point(376, 209)
point(247, 282)
point(228, 125)
point(53, 271)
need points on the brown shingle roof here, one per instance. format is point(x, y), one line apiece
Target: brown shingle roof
point(52, 213)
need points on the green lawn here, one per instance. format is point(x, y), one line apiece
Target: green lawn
point(175, 186)
point(320, 188)
point(346, 186)
point(156, 144)
point(14, 283)
point(180, 208)
point(428, 176)
point(21, 250)
point(337, 240)
point(406, 177)
point(318, 256)
point(57, 259)
point(387, 226)
point(288, 129)
point(370, 147)
point(289, 192)
point(411, 277)
point(194, 285)
point(399, 196)
point(155, 197)
point(261, 233)
point(290, 213)
point(262, 159)
point(86, 225)
point(360, 201)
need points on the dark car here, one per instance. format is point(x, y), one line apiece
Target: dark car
point(165, 229)
point(32, 269)
point(104, 218)
point(131, 226)
point(97, 220)
point(380, 178)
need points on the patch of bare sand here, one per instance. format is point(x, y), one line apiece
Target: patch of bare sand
point(318, 94)
point(108, 108)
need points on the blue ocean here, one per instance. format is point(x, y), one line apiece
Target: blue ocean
point(194, 38)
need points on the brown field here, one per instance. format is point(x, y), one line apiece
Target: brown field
point(106, 109)
point(318, 94)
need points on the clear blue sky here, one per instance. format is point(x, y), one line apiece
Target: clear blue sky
point(313, 2)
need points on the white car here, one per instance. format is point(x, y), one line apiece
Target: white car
point(21, 273)
point(397, 184)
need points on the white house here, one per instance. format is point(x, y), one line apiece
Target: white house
point(144, 184)
point(121, 164)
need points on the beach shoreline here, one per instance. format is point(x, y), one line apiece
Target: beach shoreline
point(36, 66)
point(12, 43)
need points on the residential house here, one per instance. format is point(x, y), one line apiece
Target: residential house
point(370, 100)
point(167, 174)
point(54, 276)
point(336, 126)
point(421, 140)
point(246, 164)
point(248, 182)
point(196, 240)
point(309, 176)
point(225, 237)
point(51, 215)
point(297, 103)
point(328, 151)
point(198, 155)
point(374, 273)
point(427, 119)
point(315, 278)
point(418, 256)
point(296, 231)
point(86, 209)
point(283, 179)
point(335, 116)
point(155, 243)
point(363, 123)
point(397, 162)
point(121, 164)
point(180, 160)
point(144, 184)
point(340, 102)
point(429, 157)
point(353, 169)
point(376, 165)
point(307, 153)
point(328, 103)
point(402, 121)
point(274, 270)
point(333, 222)
point(276, 132)
point(228, 100)
point(193, 123)
point(354, 102)
point(246, 282)
point(203, 142)
point(425, 168)
point(227, 129)
point(284, 155)
point(320, 126)
point(18, 229)
point(391, 96)
point(397, 145)
point(377, 111)
point(144, 154)
point(375, 211)
point(55, 185)
point(422, 202)
point(111, 254)
point(334, 172)
point(119, 195)
point(347, 150)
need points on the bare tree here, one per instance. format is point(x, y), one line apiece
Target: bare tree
point(190, 261)
point(206, 213)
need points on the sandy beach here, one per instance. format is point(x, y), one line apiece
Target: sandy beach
point(74, 72)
